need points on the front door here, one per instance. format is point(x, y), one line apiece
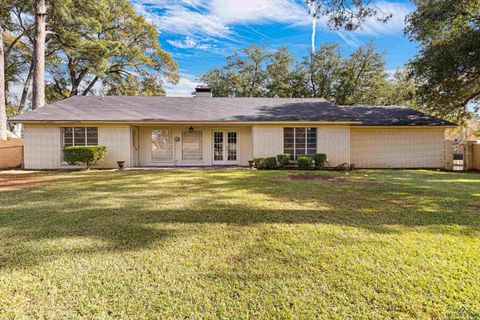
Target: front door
point(225, 147)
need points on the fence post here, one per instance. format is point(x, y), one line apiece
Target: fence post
point(448, 161)
point(468, 155)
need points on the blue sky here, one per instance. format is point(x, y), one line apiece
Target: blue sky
point(201, 33)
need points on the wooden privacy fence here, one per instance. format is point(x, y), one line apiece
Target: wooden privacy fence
point(471, 155)
point(11, 153)
point(476, 157)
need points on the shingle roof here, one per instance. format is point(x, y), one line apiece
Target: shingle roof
point(393, 116)
point(177, 109)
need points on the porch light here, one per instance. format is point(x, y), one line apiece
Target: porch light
point(190, 129)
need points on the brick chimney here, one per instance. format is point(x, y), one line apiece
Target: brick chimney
point(203, 92)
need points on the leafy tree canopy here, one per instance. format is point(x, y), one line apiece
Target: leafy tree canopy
point(356, 79)
point(447, 67)
point(105, 40)
point(102, 44)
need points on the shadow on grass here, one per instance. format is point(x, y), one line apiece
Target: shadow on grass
point(136, 210)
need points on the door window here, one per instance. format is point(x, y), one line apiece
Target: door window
point(218, 146)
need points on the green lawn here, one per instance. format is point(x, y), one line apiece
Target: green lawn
point(239, 244)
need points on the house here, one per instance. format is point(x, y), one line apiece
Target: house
point(205, 131)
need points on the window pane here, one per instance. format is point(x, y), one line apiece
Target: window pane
point(232, 146)
point(67, 137)
point(92, 136)
point(79, 136)
point(192, 146)
point(162, 145)
point(289, 141)
point(218, 146)
point(311, 140)
point(300, 141)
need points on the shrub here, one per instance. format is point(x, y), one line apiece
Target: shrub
point(260, 163)
point(283, 160)
point(320, 159)
point(271, 163)
point(87, 155)
point(304, 162)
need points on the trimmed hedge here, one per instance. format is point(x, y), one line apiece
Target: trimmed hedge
point(271, 163)
point(320, 159)
point(283, 160)
point(304, 162)
point(260, 163)
point(87, 155)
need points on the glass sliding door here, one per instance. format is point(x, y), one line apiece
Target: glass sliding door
point(225, 147)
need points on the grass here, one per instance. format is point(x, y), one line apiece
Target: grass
point(239, 244)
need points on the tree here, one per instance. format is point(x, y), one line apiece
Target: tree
point(361, 78)
point(3, 107)
point(249, 65)
point(357, 79)
point(447, 67)
point(299, 82)
point(38, 94)
point(19, 43)
point(278, 73)
point(223, 82)
point(322, 68)
point(343, 14)
point(105, 42)
point(400, 90)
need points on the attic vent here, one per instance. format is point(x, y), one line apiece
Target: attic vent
point(203, 92)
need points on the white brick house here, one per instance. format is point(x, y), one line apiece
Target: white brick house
point(203, 131)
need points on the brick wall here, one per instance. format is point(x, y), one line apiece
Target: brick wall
point(43, 146)
point(267, 141)
point(398, 148)
point(333, 141)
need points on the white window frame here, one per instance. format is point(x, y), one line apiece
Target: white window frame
point(305, 129)
point(62, 132)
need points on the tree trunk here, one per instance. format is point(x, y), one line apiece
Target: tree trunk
point(38, 94)
point(90, 86)
point(26, 88)
point(3, 108)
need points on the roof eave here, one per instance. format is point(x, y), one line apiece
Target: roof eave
point(177, 122)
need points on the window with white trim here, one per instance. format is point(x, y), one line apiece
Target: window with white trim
point(162, 145)
point(192, 145)
point(299, 141)
point(79, 136)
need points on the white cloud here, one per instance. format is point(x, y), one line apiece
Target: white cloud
point(184, 88)
point(349, 39)
point(189, 43)
point(215, 17)
point(395, 25)
point(196, 19)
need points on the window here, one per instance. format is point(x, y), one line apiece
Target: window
point(162, 145)
point(298, 141)
point(79, 136)
point(192, 145)
point(218, 146)
point(232, 146)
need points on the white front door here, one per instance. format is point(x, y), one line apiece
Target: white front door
point(225, 147)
